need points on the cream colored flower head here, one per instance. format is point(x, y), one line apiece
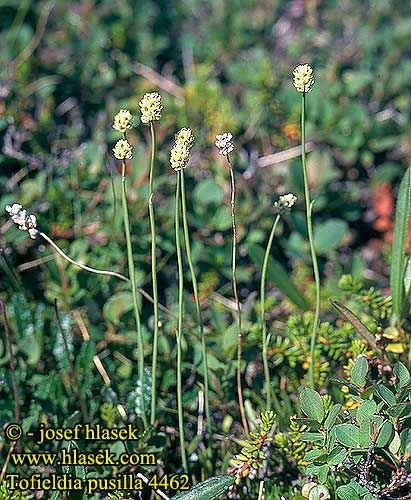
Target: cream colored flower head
point(24, 220)
point(303, 78)
point(185, 136)
point(123, 150)
point(123, 120)
point(224, 143)
point(150, 107)
point(285, 202)
point(179, 156)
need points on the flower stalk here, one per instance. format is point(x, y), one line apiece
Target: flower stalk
point(237, 301)
point(153, 276)
point(262, 312)
point(225, 146)
point(179, 331)
point(136, 309)
point(196, 298)
point(303, 82)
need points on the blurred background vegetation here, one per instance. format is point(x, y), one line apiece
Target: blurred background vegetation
point(67, 67)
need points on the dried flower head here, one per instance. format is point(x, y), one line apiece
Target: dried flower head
point(185, 136)
point(150, 107)
point(25, 221)
point(179, 156)
point(285, 202)
point(123, 120)
point(123, 150)
point(224, 143)
point(303, 78)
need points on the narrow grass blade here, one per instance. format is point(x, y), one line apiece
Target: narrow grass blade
point(402, 215)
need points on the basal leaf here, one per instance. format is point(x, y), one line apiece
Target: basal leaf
point(277, 275)
point(207, 490)
point(402, 215)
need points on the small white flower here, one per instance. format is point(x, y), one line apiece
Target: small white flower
point(150, 106)
point(123, 120)
point(123, 150)
point(224, 143)
point(24, 220)
point(285, 202)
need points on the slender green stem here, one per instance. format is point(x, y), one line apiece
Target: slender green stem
point(237, 301)
point(77, 264)
point(312, 247)
point(196, 298)
point(262, 312)
point(131, 271)
point(179, 332)
point(153, 276)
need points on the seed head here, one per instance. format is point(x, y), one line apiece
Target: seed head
point(224, 143)
point(150, 107)
point(185, 136)
point(285, 202)
point(24, 221)
point(123, 150)
point(179, 156)
point(303, 78)
point(123, 120)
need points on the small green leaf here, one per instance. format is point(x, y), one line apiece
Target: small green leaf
point(312, 437)
point(395, 444)
point(386, 395)
point(332, 416)
point(402, 374)
point(312, 404)
point(336, 456)
point(359, 371)
point(365, 432)
point(313, 455)
point(366, 410)
point(384, 434)
point(402, 214)
point(347, 492)
point(401, 410)
point(207, 490)
point(347, 434)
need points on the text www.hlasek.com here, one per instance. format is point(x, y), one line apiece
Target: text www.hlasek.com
point(75, 457)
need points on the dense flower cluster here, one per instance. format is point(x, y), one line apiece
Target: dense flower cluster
point(285, 202)
point(224, 143)
point(180, 152)
point(185, 136)
point(150, 107)
point(303, 78)
point(123, 120)
point(24, 220)
point(123, 150)
point(179, 156)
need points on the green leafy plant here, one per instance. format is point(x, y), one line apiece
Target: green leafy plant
point(363, 452)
